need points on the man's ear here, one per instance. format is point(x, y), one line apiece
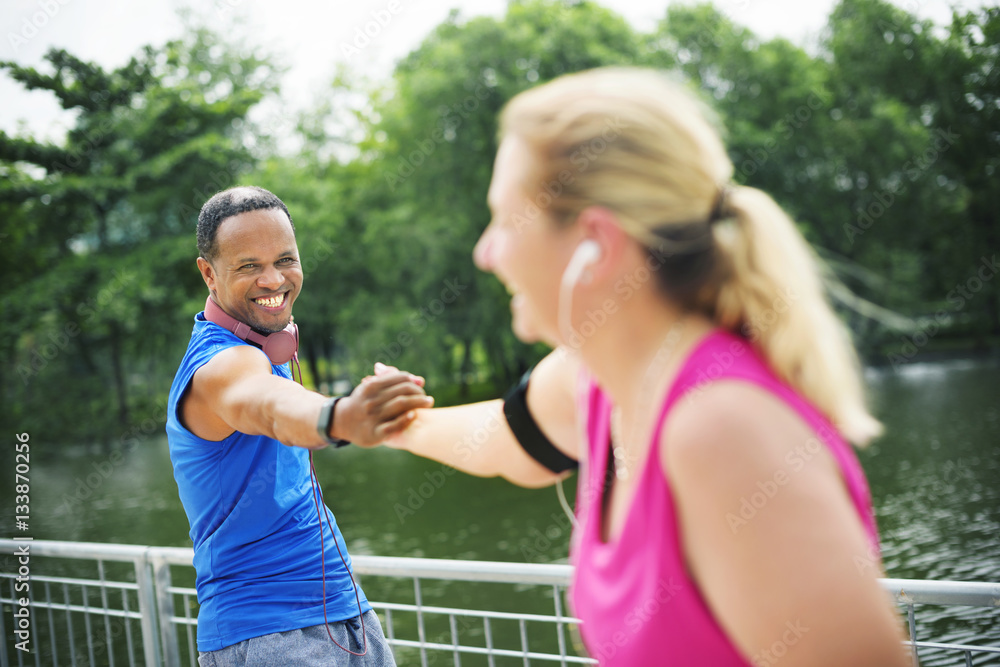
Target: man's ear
point(207, 273)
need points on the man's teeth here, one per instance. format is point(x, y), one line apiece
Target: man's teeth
point(272, 302)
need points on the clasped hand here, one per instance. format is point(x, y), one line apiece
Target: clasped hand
point(380, 407)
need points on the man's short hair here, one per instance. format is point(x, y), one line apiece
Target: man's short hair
point(228, 203)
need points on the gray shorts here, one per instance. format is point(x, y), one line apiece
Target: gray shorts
point(309, 646)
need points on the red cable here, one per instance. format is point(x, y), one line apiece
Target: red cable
point(314, 483)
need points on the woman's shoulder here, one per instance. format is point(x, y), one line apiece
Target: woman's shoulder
point(732, 425)
point(727, 389)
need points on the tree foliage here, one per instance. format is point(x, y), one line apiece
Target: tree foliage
point(98, 246)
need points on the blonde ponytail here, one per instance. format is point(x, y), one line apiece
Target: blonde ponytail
point(632, 141)
point(774, 296)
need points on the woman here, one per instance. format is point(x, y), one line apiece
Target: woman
point(700, 380)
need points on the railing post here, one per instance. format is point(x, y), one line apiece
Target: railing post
point(3, 646)
point(911, 617)
point(165, 612)
point(147, 607)
point(421, 635)
point(560, 628)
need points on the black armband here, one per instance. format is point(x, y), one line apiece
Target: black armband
point(527, 433)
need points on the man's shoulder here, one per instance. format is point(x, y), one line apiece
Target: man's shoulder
point(207, 341)
point(209, 372)
point(218, 357)
point(210, 332)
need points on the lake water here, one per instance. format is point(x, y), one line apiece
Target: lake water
point(935, 478)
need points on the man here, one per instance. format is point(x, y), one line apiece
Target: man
point(268, 560)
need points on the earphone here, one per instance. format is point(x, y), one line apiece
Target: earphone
point(588, 252)
point(280, 346)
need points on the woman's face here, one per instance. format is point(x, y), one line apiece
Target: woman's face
point(522, 246)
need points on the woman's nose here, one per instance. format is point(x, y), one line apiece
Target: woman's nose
point(482, 254)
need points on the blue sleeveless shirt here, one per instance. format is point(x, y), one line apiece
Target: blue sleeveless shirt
point(253, 523)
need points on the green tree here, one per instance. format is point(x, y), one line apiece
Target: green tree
point(104, 220)
point(941, 217)
point(844, 139)
point(431, 145)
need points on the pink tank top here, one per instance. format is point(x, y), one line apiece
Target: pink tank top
point(638, 604)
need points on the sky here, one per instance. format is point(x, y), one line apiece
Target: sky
point(312, 36)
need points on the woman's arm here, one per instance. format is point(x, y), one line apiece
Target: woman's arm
point(476, 439)
point(771, 536)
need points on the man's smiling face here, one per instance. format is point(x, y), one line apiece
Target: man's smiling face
point(256, 275)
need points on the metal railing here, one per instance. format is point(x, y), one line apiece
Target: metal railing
point(131, 616)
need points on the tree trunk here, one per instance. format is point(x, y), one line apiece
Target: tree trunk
point(119, 375)
point(465, 368)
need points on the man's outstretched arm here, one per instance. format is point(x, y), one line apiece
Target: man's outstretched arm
point(236, 391)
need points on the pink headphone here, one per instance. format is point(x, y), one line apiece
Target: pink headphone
point(280, 346)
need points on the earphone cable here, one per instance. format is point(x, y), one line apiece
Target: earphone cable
point(317, 494)
point(313, 480)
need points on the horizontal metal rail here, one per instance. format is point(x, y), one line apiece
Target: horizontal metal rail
point(153, 609)
point(907, 591)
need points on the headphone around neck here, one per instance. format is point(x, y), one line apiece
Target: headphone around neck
point(280, 346)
